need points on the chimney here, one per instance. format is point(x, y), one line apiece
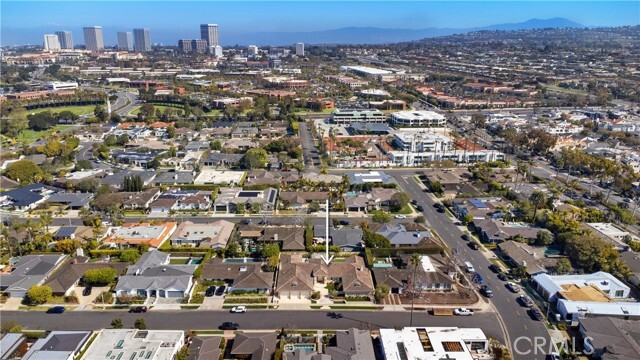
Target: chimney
point(275, 237)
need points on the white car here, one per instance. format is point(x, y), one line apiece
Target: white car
point(400, 217)
point(239, 309)
point(463, 312)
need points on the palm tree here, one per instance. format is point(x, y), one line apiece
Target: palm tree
point(416, 260)
point(45, 220)
point(537, 198)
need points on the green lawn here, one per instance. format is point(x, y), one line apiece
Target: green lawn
point(307, 111)
point(179, 261)
point(161, 107)
point(406, 210)
point(567, 91)
point(78, 110)
point(30, 136)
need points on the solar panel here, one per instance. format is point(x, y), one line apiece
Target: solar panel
point(478, 203)
point(272, 196)
point(248, 194)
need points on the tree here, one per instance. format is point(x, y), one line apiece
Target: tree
point(215, 145)
point(116, 323)
point(374, 240)
point(171, 132)
point(585, 251)
point(398, 201)
point(45, 219)
point(67, 246)
point(88, 185)
point(382, 292)
point(41, 121)
point(419, 219)
point(83, 165)
point(130, 256)
point(67, 116)
point(270, 250)
point(537, 198)
point(416, 261)
point(436, 188)
point(147, 110)
point(9, 327)
point(543, 237)
point(381, 217)
point(24, 171)
point(232, 250)
point(563, 266)
point(140, 324)
point(467, 219)
point(254, 159)
point(100, 277)
point(100, 112)
point(39, 294)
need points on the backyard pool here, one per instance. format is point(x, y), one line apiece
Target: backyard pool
point(382, 265)
point(294, 347)
point(195, 261)
point(552, 250)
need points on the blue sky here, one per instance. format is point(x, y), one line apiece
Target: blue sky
point(26, 21)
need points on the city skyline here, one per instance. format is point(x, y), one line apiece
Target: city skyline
point(23, 23)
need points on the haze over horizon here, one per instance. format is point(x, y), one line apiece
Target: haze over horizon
point(25, 22)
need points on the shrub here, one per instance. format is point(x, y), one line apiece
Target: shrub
point(39, 294)
point(140, 324)
point(116, 323)
point(102, 276)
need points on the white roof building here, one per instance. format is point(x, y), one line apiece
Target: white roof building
point(434, 343)
point(573, 310)
point(209, 176)
point(418, 118)
point(554, 287)
point(127, 344)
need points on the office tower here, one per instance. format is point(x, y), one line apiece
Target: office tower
point(216, 51)
point(93, 40)
point(209, 32)
point(51, 42)
point(65, 38)
point(252, 50)
point(300, 49)
point(184, 45)
point(125, 40)
point(199, 46)
point(141, 40)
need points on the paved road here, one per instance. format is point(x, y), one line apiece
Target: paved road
point(253, 319)
point(309, 151)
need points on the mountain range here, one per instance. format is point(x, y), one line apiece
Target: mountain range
point(374, 35)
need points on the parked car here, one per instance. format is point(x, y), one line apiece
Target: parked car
point(210, 291)
point(535, 314)
point(477, 278)
point(495, 268)
point(513, 287)
point(56, 310)
point(344, 222)
point(441, 209)
point(239, 309)
point(86, 291)
point(486, 291)
point(458, 223)
point(228, 325)
point(414, 202)
point(400, 217)
point(474, 245)
point(220, 290)
point(465, 237)
point(463, 312)
point(138, 309)
point(503, 276)
point(420, 208)
point(525, 301)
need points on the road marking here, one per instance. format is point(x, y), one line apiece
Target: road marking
point(526, 328)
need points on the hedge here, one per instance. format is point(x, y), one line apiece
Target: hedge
point(100, 253)
point(205, 187)
point(246, 300)
point(185, 249)
point(198, 273)
point(368, 258)
point(261, 186)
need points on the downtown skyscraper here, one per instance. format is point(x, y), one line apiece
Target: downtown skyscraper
point(65, 38)
point(93, 39)
point(51, 42)
point(141, 40)
point(209, 32)
point(125, 40)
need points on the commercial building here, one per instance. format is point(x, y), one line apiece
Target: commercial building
point(252, 50)
point(127, 344)
point(364, 71)
point(65, 38)
point(209, 32)
point(434, 343)
point(197, 45)
point(93, 40)
point(216, 51)
point(348, 116)
point(61, 85)
point(51, 42)
point(299, 49)
point(141, 40)
point(125, 40)
point(418, 118)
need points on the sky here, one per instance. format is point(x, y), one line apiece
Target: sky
point(25, 22)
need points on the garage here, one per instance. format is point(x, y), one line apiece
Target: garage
point(174, 294)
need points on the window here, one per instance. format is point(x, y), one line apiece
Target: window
point(619, 293)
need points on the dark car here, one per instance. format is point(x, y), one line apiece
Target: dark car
point(344, 222)
point(503, 276)
point(420, 208)
point(486, 291)
point(474, 245)
point(86, 291)
point(477, 278)
point(228, 325)
point(441, 209)
point(220, 290)
point(465, 237)
point(414, 202)
point(56, 310)
point(210, 291)
point(495, 268)
point(245, 221)
point(535, 314)
point(138, 309)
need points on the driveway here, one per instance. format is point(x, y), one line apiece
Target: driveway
point(86, 302)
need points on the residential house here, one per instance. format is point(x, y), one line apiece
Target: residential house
point(298, 276)
point(138, 159)
point(632, 260)
point(432, 275)
point(163, 204)
point(69, 275)
point(599, 286)
point(370, 177)
point(13, 346)
point(521, 254)
point(214, 235)
point(608, 338)
point(346, 238)
point(481, 208)
point(399, 236)
point(28, 271)
point(72, 201)
point(434, 343)
point(197, 146)
point(352, 344)
point(133, 234)
point(229, 199)
point(140, 200)
point(210, 177)
point(174, 178)
point(59, 345)
point(27, 197)
point(153, 275)
point(376, 199)
point(204, 347)
point(195, 202)
point(492, 230)
point(75, 232)
point(263, 177)
point(8, 184)
point(135, 344)
point(302, 199)
point(254, 346)
point(292, 238)
point(245, 276)
point(116, 180)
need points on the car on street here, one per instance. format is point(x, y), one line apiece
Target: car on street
point(477, 278)
point(239, 309)
point(495, 268)
point(503, 276)
point(484, 290)
point(458, 223)
point(420, 208)
point(535, 314)
point(56, 310)
point(138, 309)
point(220, 290)
point(463, 312)
point(400, 217)
point(414, 202)
point(525, 301)
point(513, 287)
point(245, 222)
point(344, 222)
point(441, 209)
point(474, 245)
point(228, 325)
point(210, 291)
point(465, 237)
point(86, 291)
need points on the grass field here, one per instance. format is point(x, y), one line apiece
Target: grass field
point(566, 91)
point(161, 107)
point(30, 136)
point(307, 111)
point(78, 110)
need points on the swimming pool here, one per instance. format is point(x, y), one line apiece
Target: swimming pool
point(294, 347)
point(382, 265)
point(552, 250)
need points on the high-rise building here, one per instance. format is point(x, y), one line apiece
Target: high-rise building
point(252, 50)
point(209, 32)
point(199, 46)
point(216, 51)
point(93, 40)
point(65, 38)
point(141, 40)
point(184, 45)
point(51, 42)
point(125, 40)
point(300, 49)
